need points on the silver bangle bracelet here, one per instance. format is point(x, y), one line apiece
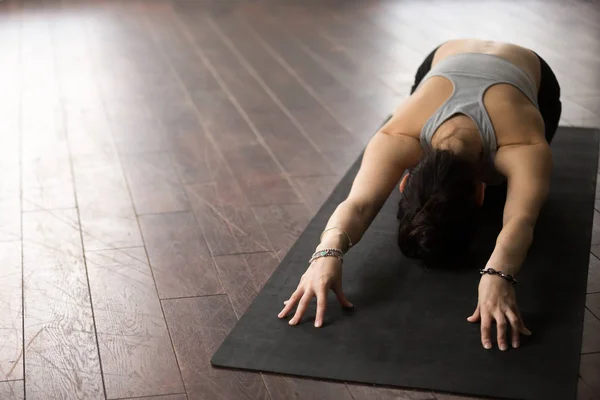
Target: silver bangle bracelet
point(327, 253)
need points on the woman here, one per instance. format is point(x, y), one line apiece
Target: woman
point(480, 113)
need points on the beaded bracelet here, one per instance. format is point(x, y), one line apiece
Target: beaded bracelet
point(492, 271)
point(327, 253)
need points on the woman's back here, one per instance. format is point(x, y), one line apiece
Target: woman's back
point(515, 119)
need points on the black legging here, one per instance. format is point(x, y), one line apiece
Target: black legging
point(549, 102)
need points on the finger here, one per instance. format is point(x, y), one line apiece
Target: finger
point(302, 306)
point(339, 293)
point(486, 326)
point(476, 315)
point(321, 307)
point(289, 304)
point(524, 330)
point(501, 330)
point(516, 328)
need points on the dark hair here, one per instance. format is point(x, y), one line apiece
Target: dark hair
point(438, 210)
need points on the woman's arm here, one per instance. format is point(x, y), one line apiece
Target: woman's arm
point(527, 169)
point(385, 159)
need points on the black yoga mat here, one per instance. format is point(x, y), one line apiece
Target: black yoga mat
point(409, 325)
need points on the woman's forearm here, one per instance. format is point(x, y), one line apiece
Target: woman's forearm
point(512, 246)
point(348, 218)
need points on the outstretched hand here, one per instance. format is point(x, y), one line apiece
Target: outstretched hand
point(497, 302)
point(322, 275)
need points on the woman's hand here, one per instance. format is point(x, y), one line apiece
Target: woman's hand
point(497, 302)
point(323, 274)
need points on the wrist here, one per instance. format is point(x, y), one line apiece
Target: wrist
point(504, 276)
point(334, 239)
point(508, 269)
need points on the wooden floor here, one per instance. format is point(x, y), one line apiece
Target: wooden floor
point(158, 159)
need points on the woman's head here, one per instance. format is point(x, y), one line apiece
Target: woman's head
point(441, 198)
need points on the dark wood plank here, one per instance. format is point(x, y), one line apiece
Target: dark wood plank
point(282, 45)
point(584, 392)
point(168, 397)
point(107, 216)
point(227, 221)
point(10, 130)
point(316, 189)
point(133, 110)
point(372, 54)
point(244, 275)
point(11, 312)
point(257, 175)
point(159, 20)
point(589, 370)
point(562, 44)
point(88, 131)
point(132, 333)
point(46, 179)
point(410, 32)
point(10, 126)
point(194, 156)
point(366, 90)
point(290, 144)
point(252, 163)
point(47, 182)
point(281, 80)
point(179, 256)
point(154, 184)
point(167, 103)
point(198, 326)
point(597, 203)
point(595, 243)
point(85, 122)
point(282, 135)
point(283, 224)
point(283, 387)
point(129, 59)
point(10, 202)
point(579, 115)
point(338, 147)
point(192, 153)
point(61, 356)
point(590, 103)
point(591, 334)
point(137, 135)
point(146, 49)
point(453, 397)
point(357, 117)
point(593, 283)
point(231, 73)
point(360, 392)
point(308, 26)
point(220, 117)
point(592, 303)
point(12, 390)
point(10, 81)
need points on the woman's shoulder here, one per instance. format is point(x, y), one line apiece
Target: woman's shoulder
point(521, 56)
point(407, 120)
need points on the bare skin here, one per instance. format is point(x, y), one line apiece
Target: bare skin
point(523, 157)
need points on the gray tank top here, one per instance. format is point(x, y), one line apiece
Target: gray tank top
point(472, 74)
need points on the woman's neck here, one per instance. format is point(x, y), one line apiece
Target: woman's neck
point(461, 140)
